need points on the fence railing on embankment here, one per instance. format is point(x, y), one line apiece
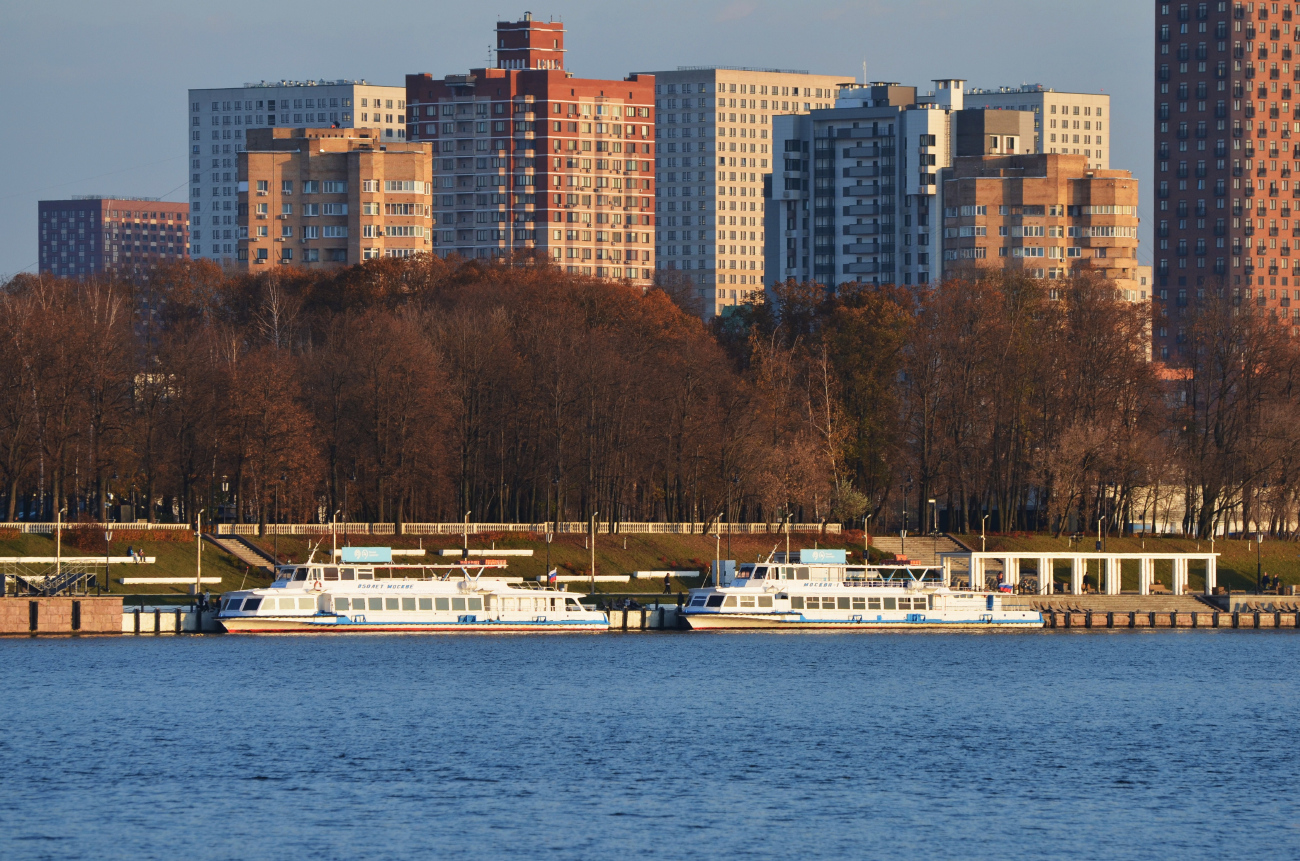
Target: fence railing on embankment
point(579, 527)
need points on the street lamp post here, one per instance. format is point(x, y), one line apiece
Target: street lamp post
point(594, 514)
point(934, 527)
point(866, 539)
point(1259, 567)
point(198, 552)
point(717, 553)
point(983, 520)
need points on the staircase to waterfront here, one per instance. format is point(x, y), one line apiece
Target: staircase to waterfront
point(243, 550)
point(921, 549)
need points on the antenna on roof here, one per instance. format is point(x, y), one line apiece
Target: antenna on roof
point(864, 71)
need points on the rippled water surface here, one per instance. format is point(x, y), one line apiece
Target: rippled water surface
point(1157, 745)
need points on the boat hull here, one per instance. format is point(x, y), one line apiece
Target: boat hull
point(331, 625)
point(798, 622)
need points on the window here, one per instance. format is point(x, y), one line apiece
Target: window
point(335, 187)
point(334, 209)
point(261, 185)
point(311, 186)
point(331, 231)
point(286, 186)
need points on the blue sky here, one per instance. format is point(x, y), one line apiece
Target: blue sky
point(95, 93)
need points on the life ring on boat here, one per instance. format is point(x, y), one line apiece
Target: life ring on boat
point(317, 585)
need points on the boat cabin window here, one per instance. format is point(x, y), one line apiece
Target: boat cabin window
point(715, 601)
point(390, 604)
point(426, 603)
point(891, 603)
point(342, 603)
point(746, 569)
point(730, 602)
point(758, 573)
point(796, 602)
point(365, 574)
point(408, 603)
point(331, 573)
point(347, 573)
point(376, 603)
point(765, 600)
point(801, 573)
point(572, 605)
point(300, 574)
point(251, 604)
point(442, 603)
point(698, 600)
point(873, 603)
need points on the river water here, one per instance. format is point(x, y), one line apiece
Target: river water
point(1096, 745)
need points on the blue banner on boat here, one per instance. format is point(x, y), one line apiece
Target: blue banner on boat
point(368, 554)
point(823, 557)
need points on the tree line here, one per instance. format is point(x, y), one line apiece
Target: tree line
point(429, 389)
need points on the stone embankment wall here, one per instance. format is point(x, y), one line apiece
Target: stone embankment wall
point(61, 615)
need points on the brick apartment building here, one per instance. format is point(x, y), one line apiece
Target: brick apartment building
point(528, 158)
point(1226, 113)
point(220, 118)
point(1049, 216)
point(331, 197)
point(115, 236)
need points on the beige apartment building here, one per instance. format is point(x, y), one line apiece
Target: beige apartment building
point(714, 136)
point(331, 197)
point(1049, 216)
point(1064, 123)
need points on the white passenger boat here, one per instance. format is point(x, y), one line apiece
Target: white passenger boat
point(820, 590)
point(386, 598)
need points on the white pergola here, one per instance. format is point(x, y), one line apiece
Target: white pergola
point(1109, 565)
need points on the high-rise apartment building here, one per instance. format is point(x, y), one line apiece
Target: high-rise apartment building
point(530, 159)
point(220, 118)
point(116, 236)
point(325, 198)
point(1048, 216)
point(854, 195)
point(715, 127)
point(1065, 123)
point(1226, 113)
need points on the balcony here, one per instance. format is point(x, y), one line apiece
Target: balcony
point(864, 209)
point(1181, 173)
point(871, 151)
point(863, 171)
point(862, 248)
point(861, 229)
point(1220, 230)
point(873, 190)
point(861, 268)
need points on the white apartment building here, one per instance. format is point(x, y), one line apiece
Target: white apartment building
point(1064, 123)
point(856, 195)
point(219, 117)
point(714, 156)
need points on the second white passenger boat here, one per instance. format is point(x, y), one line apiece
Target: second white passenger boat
point(360, 599)
point(820, 590)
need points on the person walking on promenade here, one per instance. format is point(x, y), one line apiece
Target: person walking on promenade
point(668, 584)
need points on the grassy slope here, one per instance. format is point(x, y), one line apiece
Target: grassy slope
point(174, 559)
point(1236, 568)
